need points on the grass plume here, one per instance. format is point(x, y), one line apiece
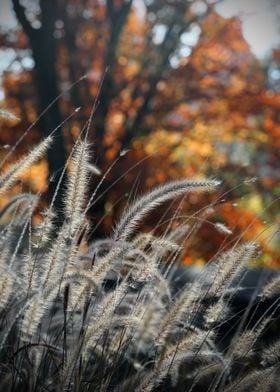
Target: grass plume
point(109, 316)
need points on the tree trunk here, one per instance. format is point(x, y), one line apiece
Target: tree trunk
point(44, 48)
point(47, 88)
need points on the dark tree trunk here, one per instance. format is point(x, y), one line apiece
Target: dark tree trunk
point(47, 87)
point(117, 17)
point(43, 45)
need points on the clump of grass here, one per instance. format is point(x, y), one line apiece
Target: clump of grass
point(107, 318)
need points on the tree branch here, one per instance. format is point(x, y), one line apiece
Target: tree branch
point(167, 51)
point(117, 19)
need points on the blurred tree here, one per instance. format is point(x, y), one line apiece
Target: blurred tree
point(179, 83)
point(71, 38)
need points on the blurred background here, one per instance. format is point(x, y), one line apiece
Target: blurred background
point(183, 89)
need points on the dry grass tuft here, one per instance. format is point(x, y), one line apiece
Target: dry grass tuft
point(110, 319)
